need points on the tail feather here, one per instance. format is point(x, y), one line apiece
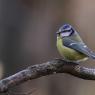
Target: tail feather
point(93, 56)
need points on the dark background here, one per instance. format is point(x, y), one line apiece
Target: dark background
point(28, 36)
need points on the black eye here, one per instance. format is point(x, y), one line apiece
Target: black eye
point(67, 33)
point(65, 30)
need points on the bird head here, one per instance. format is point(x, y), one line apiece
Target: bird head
point(65, 31)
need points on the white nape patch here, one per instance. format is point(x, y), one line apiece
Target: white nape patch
point(64, 34)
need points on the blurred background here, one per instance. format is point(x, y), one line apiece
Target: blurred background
point(28, 36)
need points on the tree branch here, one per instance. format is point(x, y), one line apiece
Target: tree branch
point(50, 67)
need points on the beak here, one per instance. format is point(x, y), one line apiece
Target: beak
point(57, 32)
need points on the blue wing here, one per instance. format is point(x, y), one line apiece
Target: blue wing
point(78, 46)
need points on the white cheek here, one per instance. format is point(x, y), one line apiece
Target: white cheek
point(64, 34)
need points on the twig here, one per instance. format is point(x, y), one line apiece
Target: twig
point(50, 67)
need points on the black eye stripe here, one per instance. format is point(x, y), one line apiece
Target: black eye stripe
point(72, 32)
point(67, 33)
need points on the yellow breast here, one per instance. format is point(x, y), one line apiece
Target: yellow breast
point(68, 53)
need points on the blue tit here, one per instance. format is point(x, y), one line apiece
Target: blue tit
point(70, 45)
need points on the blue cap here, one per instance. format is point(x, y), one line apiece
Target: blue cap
point(65, 27)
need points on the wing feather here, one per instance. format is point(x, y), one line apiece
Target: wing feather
point(78, 46)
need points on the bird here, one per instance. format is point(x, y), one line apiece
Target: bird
point(71, 46)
